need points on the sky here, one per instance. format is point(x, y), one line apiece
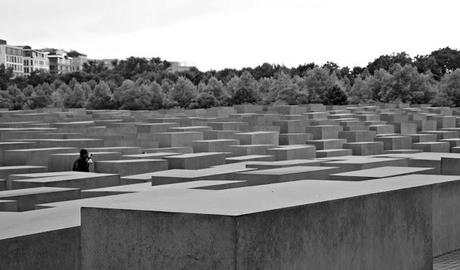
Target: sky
point(216, 34)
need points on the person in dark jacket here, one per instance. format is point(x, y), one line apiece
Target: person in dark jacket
point(82, 163)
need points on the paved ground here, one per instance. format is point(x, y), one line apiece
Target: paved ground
point(450, 261)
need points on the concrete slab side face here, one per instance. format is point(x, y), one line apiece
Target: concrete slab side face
point(54, 250)
point(381, 232)
point(446, 221)
point(120, 240)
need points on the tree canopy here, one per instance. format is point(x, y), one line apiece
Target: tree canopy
point(138, 83)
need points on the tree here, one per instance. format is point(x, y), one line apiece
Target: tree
point(245, 89)
point(265, 70)
point(317, 81)
point(57, 99)
point(244, 95)
point(5, 100)
point(285, 90)
point(27, 91)
point(74, 53)
point(204, 100)
point(118, 94)
point(265, 90)
point(449, 93)
point(360, 91)
point(5, 76)
point(140, 95)
point(166, 86)
point(232, 85)
point(38, 98)
point(17, 98)
point(74, 98)
point(101, 97)
point(335, 96)
point(407, 85)
point(86, 89)
point(157, 97)
point(183, 92)
point(215, 88)
point(447, 59)
point(387, 61)
point(379, 85)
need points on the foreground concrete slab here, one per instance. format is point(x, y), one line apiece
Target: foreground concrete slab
point(261, 229)
point(380, 172)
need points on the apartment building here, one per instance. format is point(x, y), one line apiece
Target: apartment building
point(178, 66)
point(34, 60)
point(59, 62)
point(77, 62)
point(12, 57)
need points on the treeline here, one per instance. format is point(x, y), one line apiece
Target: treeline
point(147, 84)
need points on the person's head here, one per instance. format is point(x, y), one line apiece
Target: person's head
point(84, 153)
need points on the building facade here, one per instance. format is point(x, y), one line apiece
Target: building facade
point(59, 62)
point(35, 60)
point(76, 63)
point(178, 66)
point(12, 57)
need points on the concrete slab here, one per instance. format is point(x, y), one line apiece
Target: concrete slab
point(195, 160)
point(380, 172)
point(130, 166)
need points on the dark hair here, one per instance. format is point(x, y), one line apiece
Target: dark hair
point(83, 152)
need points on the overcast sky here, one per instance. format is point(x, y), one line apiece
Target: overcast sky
point(214, 34)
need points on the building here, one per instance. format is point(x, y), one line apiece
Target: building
point(59, 62)
point(12, 57)
point(77, 60)
point(178, 66)
point(76, 63)
point(34, 60)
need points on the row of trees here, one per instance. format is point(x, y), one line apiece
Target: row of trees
point(141, 84)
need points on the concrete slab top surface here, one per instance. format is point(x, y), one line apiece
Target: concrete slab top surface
point(385, 171)
point(78, 153)
point(257, 132)
point(151, 155)
point(425, 155)
point(217, 170)
point(66, 177)
point(108, 148)
point(248, 157)
point(45, 174)
point(282, 163)
point(363, 160)
point(195, 155)
point(66, 214)
point(143, 187)
point(31, 191)
point(253, 199)
point(137, 160)
point(41, 149)
point(7, 168)
point(15, 143)
point(289, 170)
point(293, 146)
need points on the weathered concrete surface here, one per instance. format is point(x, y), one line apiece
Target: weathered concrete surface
point(53, 250)
point(389, 230)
